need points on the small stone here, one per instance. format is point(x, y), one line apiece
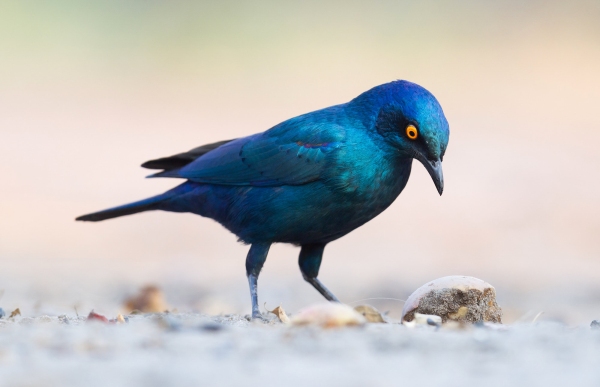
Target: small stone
point(428, 319)
point(455, 298)
point(595, 325)
point(150, 299)
point(371, 314)
point(211, 327)
point(328, 315)
point(423, 320)
point(2, 314)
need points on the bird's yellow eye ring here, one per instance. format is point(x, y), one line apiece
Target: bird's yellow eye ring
point(412, 132)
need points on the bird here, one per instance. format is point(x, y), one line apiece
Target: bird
point(308, 180)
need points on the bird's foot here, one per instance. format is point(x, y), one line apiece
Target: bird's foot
point(257, 317)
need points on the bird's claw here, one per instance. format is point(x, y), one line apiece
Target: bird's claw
point(257, 317)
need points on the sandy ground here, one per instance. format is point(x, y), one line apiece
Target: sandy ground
point(183, 349)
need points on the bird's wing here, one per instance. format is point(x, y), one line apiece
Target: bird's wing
point(182, 159)
point(291, 153)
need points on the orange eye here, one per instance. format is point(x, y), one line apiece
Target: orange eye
point(412, 132)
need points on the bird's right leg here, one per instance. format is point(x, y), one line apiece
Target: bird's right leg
point(310, 262)
point(254, 263)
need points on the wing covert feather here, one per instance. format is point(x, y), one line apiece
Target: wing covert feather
point(284, 155)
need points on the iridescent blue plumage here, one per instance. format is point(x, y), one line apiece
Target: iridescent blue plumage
point(310, 179)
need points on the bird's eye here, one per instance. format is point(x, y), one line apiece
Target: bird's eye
point(412, 132)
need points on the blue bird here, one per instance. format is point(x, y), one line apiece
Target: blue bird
point(308, 180)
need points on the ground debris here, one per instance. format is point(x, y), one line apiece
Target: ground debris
point(328, 315)
point(371, 314)
point(93, 316)
point(455, 298)
point(280, 313)
point(211, 326)
point(15, 313)
point(149, 300)
point(120, 319)
point(424, 320)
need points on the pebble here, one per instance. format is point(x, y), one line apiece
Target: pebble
point(454, 298)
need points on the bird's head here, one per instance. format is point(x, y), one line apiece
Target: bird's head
point(411, 120)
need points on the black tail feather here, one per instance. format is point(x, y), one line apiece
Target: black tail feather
point(127, 209)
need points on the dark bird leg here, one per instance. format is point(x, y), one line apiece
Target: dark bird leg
point(310, 261)
point(254, 263)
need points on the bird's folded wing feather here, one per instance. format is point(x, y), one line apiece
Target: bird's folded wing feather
point(182, 159)
point(288, 154)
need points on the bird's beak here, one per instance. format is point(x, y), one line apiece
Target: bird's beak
point(435, 171)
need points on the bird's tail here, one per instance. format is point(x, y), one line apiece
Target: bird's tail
point(127, 209)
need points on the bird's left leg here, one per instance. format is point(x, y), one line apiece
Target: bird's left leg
point(254, 262)
point(310, 261)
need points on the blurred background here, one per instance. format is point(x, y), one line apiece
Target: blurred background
point(91, 89)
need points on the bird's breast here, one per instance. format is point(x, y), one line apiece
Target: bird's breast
point(369, 185)
point(363, 174)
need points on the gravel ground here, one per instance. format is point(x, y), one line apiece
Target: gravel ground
point(182, 349)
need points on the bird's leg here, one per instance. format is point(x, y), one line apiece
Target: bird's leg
point(254, 263)
point(310, 261)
